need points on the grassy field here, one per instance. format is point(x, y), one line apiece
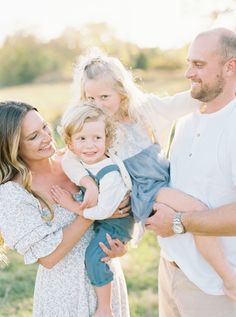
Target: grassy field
point(52, 99)
point(140, 268)
point(140, 265)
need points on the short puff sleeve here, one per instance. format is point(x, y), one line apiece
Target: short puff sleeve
point(22, 225)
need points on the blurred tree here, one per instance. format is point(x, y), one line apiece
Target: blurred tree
point(228, 9)
point(141, 61)
point(24, 58)
point(21, 59)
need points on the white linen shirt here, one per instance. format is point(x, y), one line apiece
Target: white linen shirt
point(203, 164)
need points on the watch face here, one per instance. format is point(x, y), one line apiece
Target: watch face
point(178, 228)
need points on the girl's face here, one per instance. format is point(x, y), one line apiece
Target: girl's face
point(36, 141)
point(101, 91)
point(89, 144)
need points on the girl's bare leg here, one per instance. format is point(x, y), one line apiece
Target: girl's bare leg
point(209, 247)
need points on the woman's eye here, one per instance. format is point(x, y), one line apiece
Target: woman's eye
point(33, 137)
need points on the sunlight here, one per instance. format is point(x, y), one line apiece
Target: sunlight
point(149, 23)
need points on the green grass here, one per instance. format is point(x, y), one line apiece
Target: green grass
point(16, 288)
point(52, 99)
point(140, 265)
point(140, 268)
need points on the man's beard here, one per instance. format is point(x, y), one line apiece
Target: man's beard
point(207, 93)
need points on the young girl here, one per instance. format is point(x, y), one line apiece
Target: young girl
point(144, 123)
point(89, 133)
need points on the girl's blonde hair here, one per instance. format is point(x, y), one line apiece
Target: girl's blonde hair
point(12, 114)
point(95, 64)
point(75, 117)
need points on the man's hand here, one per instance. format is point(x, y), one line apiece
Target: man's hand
point(161, 221)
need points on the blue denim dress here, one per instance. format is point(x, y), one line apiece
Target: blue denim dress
point(149, 172)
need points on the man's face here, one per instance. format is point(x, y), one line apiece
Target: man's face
point(205, 69)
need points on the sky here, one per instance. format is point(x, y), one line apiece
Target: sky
point(148, 23)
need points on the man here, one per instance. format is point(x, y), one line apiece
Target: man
point(203, 164)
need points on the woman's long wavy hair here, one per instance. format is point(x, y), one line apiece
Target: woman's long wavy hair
point(12, 114)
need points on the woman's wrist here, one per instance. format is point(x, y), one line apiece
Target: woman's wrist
point(80, 219)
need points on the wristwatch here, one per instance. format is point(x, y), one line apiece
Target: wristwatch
point(177, 225)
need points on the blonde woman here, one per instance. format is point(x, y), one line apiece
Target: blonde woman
point(40, 230)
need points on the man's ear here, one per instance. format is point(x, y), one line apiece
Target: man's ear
point(231, 65)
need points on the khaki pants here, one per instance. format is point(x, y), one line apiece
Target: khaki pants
point(178, 297)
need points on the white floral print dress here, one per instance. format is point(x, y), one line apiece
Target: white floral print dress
point(64, 290)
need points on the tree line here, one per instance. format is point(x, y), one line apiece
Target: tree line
point(25, 58)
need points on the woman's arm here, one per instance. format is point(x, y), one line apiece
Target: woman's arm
point(24, 229)
point(71, 235)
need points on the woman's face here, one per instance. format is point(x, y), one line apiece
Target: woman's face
point(36, 141)
point(101, 91)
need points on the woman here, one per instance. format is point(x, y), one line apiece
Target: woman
point(39, 229)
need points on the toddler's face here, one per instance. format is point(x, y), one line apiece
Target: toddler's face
point(101, 92)
point(89, 144)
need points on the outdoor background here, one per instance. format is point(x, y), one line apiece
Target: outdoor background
point(39, 44)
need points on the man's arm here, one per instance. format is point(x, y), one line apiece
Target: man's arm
point(218, 222)
point(212, 222)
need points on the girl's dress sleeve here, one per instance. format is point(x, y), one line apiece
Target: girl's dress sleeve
point(22, 225)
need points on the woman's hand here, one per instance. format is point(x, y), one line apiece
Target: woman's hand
point(65, 199)
point(117, 248)
point(91, 192)
point(123, 208)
